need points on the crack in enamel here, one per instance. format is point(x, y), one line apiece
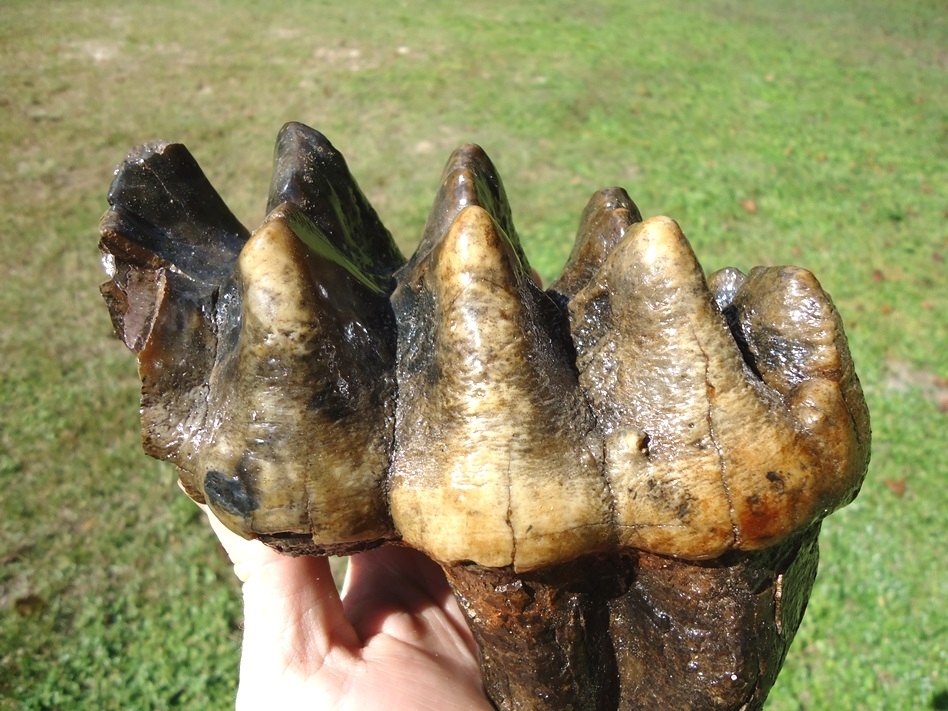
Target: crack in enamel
point(323, 394)
point(613, 541)
point(509, 518)
point(725, 485)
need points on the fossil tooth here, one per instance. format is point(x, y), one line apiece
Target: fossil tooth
point(623, 477)
point(497, 460)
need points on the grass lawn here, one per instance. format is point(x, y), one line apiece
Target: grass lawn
point(810, 133)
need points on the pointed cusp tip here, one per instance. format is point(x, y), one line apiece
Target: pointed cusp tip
point(470, 157)
point(144, 151)
point(294, 132)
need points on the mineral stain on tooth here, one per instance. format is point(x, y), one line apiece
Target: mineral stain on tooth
point(228, 494)
point(591, 465)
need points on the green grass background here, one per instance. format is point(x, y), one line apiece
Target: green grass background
point(830, 116)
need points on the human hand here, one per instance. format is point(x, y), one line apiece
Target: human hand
point(394, 639)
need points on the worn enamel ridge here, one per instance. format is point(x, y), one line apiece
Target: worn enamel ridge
point(323, 394)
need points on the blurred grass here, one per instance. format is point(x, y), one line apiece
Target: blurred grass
point(811, 133)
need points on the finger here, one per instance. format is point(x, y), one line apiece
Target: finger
point(393, 579)
point(292, 612)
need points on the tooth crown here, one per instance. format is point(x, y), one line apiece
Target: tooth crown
point(321, 394)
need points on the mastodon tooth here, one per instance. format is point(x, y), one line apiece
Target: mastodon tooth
point(623, 476)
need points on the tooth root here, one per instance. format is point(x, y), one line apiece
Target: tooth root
point(608, 214)
point(303, 407)
point(496, 461)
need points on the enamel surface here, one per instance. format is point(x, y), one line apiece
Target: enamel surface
point(514, 476)
point(291, 450)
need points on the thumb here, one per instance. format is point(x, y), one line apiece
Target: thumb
point(293, 617)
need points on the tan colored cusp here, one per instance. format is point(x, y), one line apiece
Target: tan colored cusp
point(289, 449)
point(497, 461)
point(702, 453)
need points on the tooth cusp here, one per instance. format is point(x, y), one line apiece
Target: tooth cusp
point(518, 447)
